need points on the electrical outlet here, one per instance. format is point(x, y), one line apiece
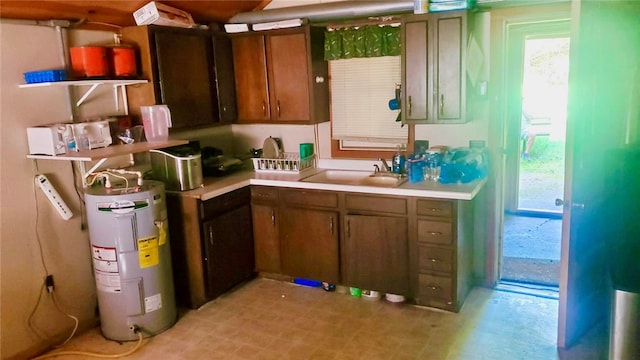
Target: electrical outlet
point(53, 196)
point(48, 282)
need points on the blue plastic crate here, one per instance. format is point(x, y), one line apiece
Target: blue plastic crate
point(33, 77)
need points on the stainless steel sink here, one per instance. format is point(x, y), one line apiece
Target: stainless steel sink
point(356, 178)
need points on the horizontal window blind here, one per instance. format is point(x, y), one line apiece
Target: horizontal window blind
point(360, 92)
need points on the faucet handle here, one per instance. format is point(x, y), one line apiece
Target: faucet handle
point(376, 168)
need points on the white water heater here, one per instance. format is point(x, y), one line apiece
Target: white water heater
point(129, 237)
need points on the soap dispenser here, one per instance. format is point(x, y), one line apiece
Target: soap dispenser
point(398, 160)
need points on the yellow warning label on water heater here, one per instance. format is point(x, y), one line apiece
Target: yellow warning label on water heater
point(148, 251)
point(162, 231)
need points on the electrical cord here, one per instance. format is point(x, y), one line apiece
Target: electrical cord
point(42, 287)
point(98, 355)
point(32, 314)
point(74, 318)
point(44, 266)
point(80, 197)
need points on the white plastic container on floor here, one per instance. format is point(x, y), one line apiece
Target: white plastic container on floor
point(394, 298)
point(371, 295)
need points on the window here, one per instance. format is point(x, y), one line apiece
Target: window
point(361, 119)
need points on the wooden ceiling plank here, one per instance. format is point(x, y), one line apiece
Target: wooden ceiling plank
point(120, 13)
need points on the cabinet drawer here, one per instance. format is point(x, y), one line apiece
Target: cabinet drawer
point(310, 198)
point(377, 204)
point(435, 259)
point(435, 289)
point(226, 202)
point(264, 193)
point(435, 232)
point(434, 208)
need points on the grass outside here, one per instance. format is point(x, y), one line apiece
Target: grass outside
point(542, 177)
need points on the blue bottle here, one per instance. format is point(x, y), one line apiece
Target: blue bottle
point(398, 161)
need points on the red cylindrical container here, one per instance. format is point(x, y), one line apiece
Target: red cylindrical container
point(122, 59)
point(89, 61)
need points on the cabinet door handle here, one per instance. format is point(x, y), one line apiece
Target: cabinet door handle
point(264, 108)
point(441, 104)
point(348, 228)
point(211, 236)
point(331, 224)
point(409, 106)
point(273, 217)
point(278, 108)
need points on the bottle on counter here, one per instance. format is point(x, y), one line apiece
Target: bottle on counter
point(398, 160)
point(415, 167)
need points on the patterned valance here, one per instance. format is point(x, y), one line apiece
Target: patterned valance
point(366, 41)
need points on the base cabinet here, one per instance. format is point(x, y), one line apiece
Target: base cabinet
point(376, 253)
point(266, 237)
point(228, 250)
point(310, 244)
point(211, 245)
point(417, 247)
point(443, 252)
point(310, 234)
point(266, 232)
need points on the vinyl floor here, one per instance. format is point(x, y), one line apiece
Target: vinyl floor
point(271, 319)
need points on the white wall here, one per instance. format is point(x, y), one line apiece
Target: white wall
point(29, 224)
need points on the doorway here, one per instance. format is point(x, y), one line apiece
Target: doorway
point(537, 88)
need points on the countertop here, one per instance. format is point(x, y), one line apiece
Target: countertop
point(215, 186)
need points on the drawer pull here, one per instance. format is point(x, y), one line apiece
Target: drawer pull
point(434, 287)
point(435, 210)
point(435, 233)
point(435, 260)
point(331, 224)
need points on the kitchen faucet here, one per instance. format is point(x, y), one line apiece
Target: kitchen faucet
point(385, 166)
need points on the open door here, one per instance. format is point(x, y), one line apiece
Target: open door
point(536, 98)
point(536, 95)
point(605, 55)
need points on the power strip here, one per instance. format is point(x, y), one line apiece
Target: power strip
point(54, 197)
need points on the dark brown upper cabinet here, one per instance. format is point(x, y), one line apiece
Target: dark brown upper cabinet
point(281, 76)
point(434, 71)
point(189, 70)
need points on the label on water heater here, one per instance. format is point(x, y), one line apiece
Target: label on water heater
point(105, 264)
point(152, 303)
point(108, 282)
point(148, 252)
